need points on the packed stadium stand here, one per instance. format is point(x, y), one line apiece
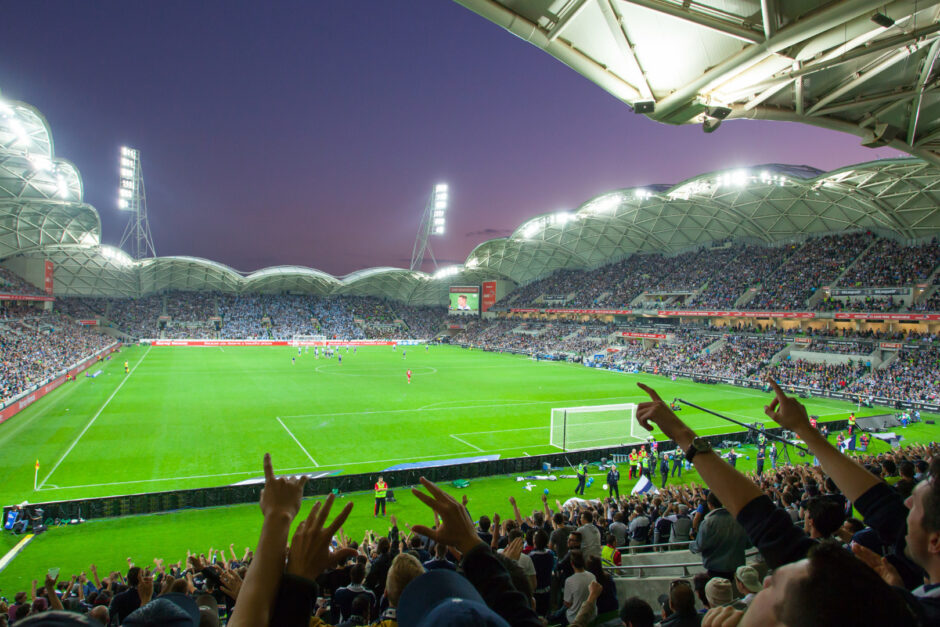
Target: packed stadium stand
point(839, 269)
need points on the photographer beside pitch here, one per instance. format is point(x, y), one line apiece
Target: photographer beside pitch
point(815, 579)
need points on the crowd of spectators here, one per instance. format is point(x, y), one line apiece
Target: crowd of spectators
point(869, 303)
point(11, 283)
point(818, 376)
point(829, 534)
point(914, 376)
point(888, 264)
point(816, 263)
point(787, 276)
point(36, 345)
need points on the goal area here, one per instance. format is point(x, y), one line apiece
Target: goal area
point(308, 340)
point(595, 426)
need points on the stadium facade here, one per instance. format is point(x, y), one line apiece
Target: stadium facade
point(43, 218)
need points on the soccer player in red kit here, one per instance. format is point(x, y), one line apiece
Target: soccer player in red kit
point(409, 375)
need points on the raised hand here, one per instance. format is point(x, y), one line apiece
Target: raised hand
point(281, 495)
point(145, 587)
point(514, 549)
point(879, 564)
point(786, 411)
point(657, 412)
point(724, 616)
point(456, 528)
point(310, 547)
point(231, 583)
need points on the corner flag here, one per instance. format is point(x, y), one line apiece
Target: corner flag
point(37, 464)
point(36, 476)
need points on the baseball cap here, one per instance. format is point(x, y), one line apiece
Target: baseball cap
point(442, 597)
point(168, 610)
point(208, 610)
point(718, 591)
point(749, 578)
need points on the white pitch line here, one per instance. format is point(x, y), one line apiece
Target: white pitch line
point(95, 417)
point(307, 453)
point(467, 443)
point(513, 404)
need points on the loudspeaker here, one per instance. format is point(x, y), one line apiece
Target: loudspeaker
point(644, 106)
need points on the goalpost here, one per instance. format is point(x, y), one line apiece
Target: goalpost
point(575, 428)
point(308, 340)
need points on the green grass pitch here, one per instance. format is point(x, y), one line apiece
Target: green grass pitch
point(187, 417)
point(193, 417)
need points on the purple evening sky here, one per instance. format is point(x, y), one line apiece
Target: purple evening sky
point(311, 133)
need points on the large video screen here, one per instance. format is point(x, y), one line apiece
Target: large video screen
point(464, 300)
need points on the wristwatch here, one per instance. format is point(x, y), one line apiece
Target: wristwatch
point(699, 445)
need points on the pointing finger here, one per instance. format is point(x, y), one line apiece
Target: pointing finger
point(268, 468)
point(652, 393)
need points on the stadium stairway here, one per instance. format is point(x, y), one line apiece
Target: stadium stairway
point(715, 346)
point(855, 261)
point(747, 296)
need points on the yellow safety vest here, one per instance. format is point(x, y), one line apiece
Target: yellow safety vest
point(380, 490)
point(607, 553)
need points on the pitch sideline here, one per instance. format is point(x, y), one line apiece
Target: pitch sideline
point(95, 417)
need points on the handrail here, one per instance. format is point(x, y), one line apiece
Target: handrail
point(685, 566)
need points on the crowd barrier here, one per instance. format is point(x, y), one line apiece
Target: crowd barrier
point(157, 502)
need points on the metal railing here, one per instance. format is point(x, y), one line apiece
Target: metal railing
point(638, 569)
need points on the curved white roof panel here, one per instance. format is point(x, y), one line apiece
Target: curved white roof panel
point(42, 216)
point(828, 64)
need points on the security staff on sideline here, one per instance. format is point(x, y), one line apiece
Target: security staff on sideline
point(582, 478)
point(381, 489)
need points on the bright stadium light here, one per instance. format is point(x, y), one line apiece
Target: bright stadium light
point(432, 223)
point(5, 109)
point(447, 271)
point(63, 187)
point(41, 163)
point(132, 198)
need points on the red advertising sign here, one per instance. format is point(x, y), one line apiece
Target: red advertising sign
point(742, 314)
point(893, 346)
point(525, 310)
point(24, 297)
point(18, 405)
point(50, 268)
point(803, 340)
point(886, 316)
point(269, 342)
point(489, 294)
point(88, 323)
point(648, 336)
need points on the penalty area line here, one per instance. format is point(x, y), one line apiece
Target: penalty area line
point(94, 418)
point(467, 443)
point(294, 438)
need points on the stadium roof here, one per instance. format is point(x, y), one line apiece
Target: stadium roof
point(867, 67)
point(42, 216)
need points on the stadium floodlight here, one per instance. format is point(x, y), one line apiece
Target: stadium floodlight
point(447, 271)
point(5, 109)
point(62, 186)
point(643, 194)
point(432, 223)
point(41, 163)
point(132, 197)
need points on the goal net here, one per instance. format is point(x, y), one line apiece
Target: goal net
point(574, 428)
point(307, 340)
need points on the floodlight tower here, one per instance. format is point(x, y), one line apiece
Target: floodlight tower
point(132, 197)
point(432, 223)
